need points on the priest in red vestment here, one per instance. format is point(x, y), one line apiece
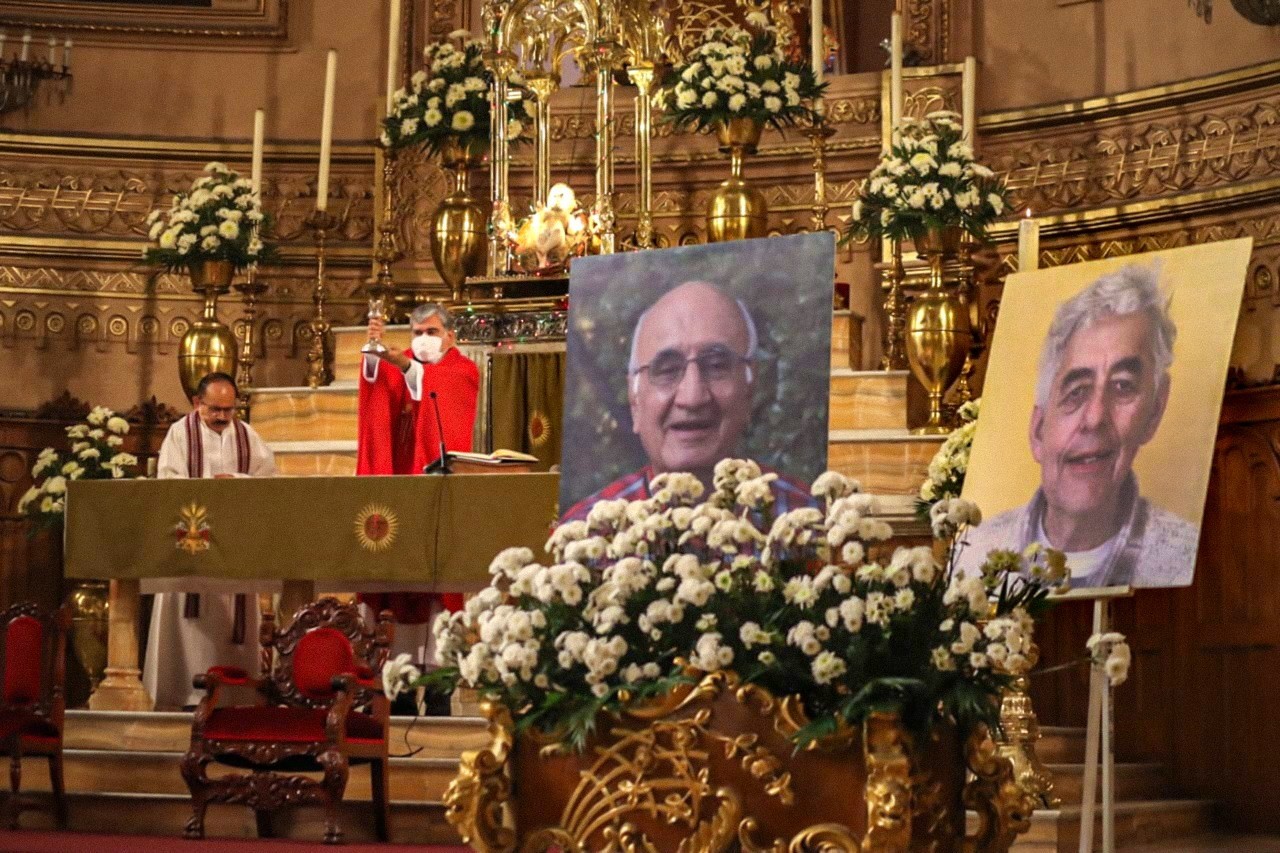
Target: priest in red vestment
point(397, 425)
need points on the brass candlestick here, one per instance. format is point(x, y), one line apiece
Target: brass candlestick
point(1020, 730)
point(818, 135)
point(383, 287)
point(319, 356)
point(895, 309)
point(250, 291)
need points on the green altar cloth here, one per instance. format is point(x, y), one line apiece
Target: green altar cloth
point(436, 531)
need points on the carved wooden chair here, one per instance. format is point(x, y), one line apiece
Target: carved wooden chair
point(321, 709)
point(32, 702)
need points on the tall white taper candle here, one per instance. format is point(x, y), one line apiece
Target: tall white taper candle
point(969, 98)
point(326, 131)
point(26, 46)
point(259, 131)
point(66, 54)
point(1028, 243)
point(895, 74)
point(818, 46)
point(393, 54)
point(53, 46)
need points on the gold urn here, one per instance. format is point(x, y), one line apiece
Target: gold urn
point(459, 226)
point(938, 327)
point(737, 210)
point(208, 346)
point(90, 605)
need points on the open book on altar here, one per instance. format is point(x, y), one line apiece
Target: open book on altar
point(497, 457)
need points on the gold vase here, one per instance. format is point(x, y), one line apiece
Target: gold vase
point(90, 606)
point(208, 346)
point(938, 328)
point(459, 225)
point(737, 210)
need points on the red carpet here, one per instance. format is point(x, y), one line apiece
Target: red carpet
point(79, 842)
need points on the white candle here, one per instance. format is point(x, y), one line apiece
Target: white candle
point(259, 128)
point(66, 54)
point(393, 54)
point(818, 46)
point(3, 36)
point(895, 60)
point(26, 46)
point(53, 45)
point(1028, 244)
point(326, 131)
point(969, 97)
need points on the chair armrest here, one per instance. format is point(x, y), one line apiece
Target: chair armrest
point(223, 675)
point(363, 677)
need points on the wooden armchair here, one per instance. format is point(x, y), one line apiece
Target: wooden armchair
point(32, 703)
point(322, 709)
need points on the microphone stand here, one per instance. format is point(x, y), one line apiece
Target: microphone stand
point(441, 465)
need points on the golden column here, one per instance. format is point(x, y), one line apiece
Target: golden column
point(503, 63)
point(542, 84)
point(642, 75)
point(604, 59)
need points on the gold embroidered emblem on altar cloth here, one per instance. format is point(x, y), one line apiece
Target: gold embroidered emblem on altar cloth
point(376, 527)
point(192, 531)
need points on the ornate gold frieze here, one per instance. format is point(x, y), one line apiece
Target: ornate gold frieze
point(257, 20)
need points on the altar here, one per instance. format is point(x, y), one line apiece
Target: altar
point(349, 533)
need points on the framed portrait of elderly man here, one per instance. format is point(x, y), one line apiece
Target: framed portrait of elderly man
point(679, 358)
point(1100, 411)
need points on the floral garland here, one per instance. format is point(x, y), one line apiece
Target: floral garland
point(739, 73)
point(219, 219)
point(94, 455)
point(646, 594)
point(448, 100)
point(928, 180)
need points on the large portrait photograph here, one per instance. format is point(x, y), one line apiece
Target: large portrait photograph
point(1100, 411)
point(679, 358)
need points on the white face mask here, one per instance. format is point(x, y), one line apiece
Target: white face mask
point(428, 348)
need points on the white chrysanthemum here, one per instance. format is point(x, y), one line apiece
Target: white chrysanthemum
point(463, 121)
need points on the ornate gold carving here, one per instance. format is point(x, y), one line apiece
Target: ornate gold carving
point(927, 35)
point(888, 793)
point(822, 838)
point(1003, 807)
point(475, 800)
point(262, 19)
point(1225, 145)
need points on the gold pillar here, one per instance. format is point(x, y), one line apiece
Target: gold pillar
point(121, 687)
point(642, 76)
point(603, 60)
point(818, 135)
point(502, 64)
point(543, 85)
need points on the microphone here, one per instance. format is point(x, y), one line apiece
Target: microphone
point(441, 465)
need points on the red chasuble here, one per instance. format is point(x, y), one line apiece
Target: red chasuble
point(388, 417)
point(398, 435)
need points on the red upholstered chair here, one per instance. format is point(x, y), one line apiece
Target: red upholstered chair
point(321, 710)
point(32, 704)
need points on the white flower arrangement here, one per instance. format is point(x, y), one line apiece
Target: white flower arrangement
point(448, 100)
point(219, 219)
point(928, 180)
point(645, 595)
point(551, 235)
point(739, 73)
point(93, 455)
point(948, 467)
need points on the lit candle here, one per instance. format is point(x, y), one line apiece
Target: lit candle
point(53, 45)
point(326, 131)
point(255, 174)
point(66, 54)
point(26, 46)
point(969, 97)
point(1028, 243)
point(895, 64)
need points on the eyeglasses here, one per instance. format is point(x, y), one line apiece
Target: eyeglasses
point(715, 364)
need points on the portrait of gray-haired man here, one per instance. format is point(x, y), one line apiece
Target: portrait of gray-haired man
point(1101, 393)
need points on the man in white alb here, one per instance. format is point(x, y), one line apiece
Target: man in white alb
point(213, 622)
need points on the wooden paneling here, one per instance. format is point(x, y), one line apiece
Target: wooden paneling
point(1205, 682)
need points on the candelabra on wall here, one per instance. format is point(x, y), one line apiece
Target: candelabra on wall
point(21, 76)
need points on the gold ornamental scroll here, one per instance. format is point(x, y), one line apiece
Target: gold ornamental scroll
point(439, 532)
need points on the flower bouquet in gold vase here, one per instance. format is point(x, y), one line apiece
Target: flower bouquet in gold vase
point(700, 674)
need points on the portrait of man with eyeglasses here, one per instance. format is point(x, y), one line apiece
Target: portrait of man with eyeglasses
point(692, 380)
